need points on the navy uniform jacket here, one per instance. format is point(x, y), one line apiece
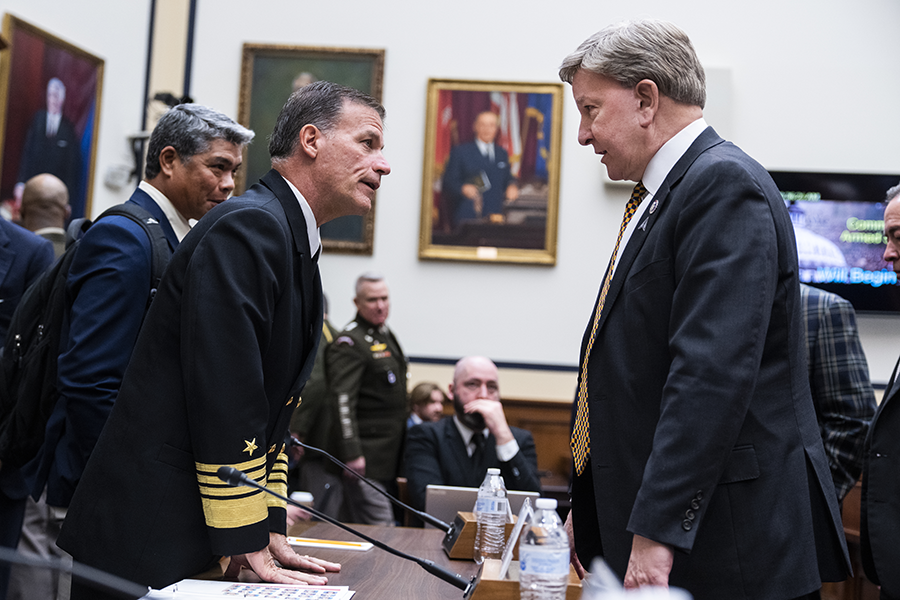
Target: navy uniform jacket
point(108, 289)
point(465, 165)
point(224, 352)
point(435, 454)
point(703, 434)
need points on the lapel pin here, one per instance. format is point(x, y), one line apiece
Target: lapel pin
point(653, 206)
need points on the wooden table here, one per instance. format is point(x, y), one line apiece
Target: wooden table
point(376, 574)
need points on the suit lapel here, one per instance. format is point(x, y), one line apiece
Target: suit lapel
point(706, 140)
point(456, 446)
point(309, 271)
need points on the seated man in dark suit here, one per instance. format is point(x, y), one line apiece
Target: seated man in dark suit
point(460, 450)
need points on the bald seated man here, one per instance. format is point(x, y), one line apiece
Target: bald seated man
point(45, 209)
point(460, 450)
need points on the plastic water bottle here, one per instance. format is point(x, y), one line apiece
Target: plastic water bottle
point(490, 514)
point(544, 555)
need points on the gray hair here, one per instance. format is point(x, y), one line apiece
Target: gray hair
point(367, 278)
point(319, 104)
point(190, 129)
point(631, 51)
point(892, 193)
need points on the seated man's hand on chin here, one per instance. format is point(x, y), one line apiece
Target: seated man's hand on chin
point(263, 564)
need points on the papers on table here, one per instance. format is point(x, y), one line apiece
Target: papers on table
point(195, 589)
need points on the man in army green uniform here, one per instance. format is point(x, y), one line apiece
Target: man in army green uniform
point(367, 374)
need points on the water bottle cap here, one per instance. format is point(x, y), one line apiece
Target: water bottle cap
point(493, 471)
point(545, 503)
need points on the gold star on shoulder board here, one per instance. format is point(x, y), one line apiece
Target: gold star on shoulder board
point(251, 446)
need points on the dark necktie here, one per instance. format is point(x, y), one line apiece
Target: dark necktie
point(478, 453)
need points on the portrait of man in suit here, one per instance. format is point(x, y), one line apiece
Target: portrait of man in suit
point(477, 180)
point(51, 144)
point(697, 455)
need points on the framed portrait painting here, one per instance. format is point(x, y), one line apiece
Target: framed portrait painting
point(269, 74)
point(49, 114)
point(490, 190)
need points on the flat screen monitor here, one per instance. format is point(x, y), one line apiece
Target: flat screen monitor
point(839, 225)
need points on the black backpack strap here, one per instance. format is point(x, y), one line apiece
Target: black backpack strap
point(160, 252)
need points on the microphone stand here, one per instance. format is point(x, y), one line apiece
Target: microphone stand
point(100, 580)
point(235, 477)
point(448, 529)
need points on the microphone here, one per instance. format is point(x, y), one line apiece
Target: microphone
point(97, 579)
point(235, 477)
point(448, 529)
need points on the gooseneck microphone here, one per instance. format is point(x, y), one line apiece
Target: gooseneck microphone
point(235, 477)
point(421, 514)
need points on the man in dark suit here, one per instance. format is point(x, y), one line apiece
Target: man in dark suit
point(51, 144)
point(880, 510)
point(192, 156)
point(477, 181)
point(459, 451)
point(23, 257)
point(839, 380)
point(698, 461)
point(226, 348)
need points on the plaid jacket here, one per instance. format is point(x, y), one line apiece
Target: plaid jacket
point(839, 379)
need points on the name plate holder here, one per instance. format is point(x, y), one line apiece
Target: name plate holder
point(489, 586)
point(459, 544)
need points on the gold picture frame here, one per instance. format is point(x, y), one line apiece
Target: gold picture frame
point(36, 66)
point(269, 73)
point(499, 204)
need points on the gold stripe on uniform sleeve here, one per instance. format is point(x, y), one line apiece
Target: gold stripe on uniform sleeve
point(277, 481)
point(228, 513)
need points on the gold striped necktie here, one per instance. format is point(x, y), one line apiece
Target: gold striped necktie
point(581, 433)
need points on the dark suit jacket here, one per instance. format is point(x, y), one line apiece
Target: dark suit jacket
point(435, 454)
point(225, 350)
point(880, 518)
point(108, 290)
point(703, 434)
point(23, 257)
point(465, 165)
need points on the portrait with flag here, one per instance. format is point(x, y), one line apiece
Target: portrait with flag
point(491, 177)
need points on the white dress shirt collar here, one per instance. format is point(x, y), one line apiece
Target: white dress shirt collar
point(179, 224)
point(670, 153)
point(312, 231)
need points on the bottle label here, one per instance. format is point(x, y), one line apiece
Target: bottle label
point(534, 560)
point(491, 505)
